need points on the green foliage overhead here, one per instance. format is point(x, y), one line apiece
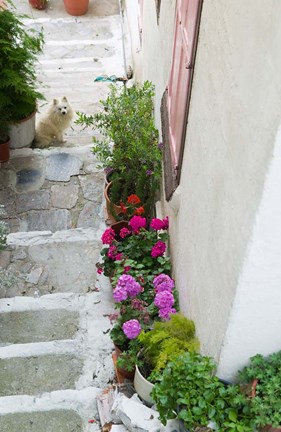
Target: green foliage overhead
point(19, 48)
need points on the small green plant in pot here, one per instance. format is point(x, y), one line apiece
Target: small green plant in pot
point(263, 374)
point(19, 48)
point(190, 392)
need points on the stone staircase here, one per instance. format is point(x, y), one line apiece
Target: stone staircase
point(55, 350)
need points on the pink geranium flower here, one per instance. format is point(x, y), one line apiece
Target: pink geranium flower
point(164, 299)
point(124, 232)
point(131, 328)
point(120, 294)
point(137, 222)
point(158, 249)
point(166, 312)
point(163, 282)
point(108, 236)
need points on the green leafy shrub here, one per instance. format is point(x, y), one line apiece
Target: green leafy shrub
point(164, 340)
point(266, 404)
point(189, 390)
point(129, 143)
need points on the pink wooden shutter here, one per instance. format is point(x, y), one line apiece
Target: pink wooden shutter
point(186, 25)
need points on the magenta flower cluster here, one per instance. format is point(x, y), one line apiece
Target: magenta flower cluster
point(131, 328)
point(159, 224)
point(127, 287)
point(164, 298)
point(137, 222)
point(124, 232)
point(108, 236)
point(158, 249)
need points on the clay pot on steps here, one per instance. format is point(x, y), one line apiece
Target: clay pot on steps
point(5, 151)
point(126, 374)
point(76, 7)
point(112, 209)
point(38, 4)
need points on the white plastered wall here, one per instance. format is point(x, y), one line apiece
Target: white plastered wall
point(235, 112)
point(255, 321)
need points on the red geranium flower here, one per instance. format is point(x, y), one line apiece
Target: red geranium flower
point(133, 199)
point(139, 211)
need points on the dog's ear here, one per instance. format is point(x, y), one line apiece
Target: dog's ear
point(64, 99)
point(55, 101)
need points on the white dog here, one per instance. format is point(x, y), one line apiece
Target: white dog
point(51, 127)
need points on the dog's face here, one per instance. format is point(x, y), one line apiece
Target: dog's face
point(62, 106)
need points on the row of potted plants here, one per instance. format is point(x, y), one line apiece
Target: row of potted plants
point(73, 7)
point(156, 342)
point(158, 345)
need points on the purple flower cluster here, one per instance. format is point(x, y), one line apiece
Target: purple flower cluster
point(158, 249)
point(131, 328)
point(127, 287)
point(164, 298)
point(163, 282)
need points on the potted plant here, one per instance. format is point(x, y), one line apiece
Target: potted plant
point(38, 4)
point(263, 374)
point(189, 391)
point(76, 7)
point(138, 250)
point(19, 49)
point(159, 344)
point(129, 145)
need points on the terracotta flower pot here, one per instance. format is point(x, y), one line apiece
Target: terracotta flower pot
point(112, 209)
point(5, 151)
point(124, 372)
point(76, 7)
point(38, 4)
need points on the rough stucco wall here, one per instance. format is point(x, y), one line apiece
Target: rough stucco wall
point(257, 303)
point(152, 59)
point(234, 115)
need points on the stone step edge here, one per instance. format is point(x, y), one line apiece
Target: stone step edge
point(26, 151)
point(30, 238)
point(81, 401)
point(38, 349)
point(71, 302)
